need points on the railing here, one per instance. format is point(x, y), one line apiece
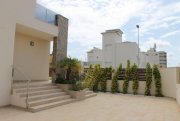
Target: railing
point(15, 70)
point(45, 14)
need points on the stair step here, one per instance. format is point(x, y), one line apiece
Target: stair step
point(45, 96)
point(91, 95)
point(89, 92)
point(32, 81)
point(23, 94)
point(17, 86)
point(36, 89)
point(48, 100)
point(50, 105)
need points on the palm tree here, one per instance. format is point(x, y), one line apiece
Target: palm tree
point(70, 66)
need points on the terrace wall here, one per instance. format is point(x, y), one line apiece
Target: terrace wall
point(170, 77)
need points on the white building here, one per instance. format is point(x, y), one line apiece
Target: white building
point(114, 52)
point(94, 56)
point(26, 29)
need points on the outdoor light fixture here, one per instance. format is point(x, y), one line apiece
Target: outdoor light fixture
point(31, 43)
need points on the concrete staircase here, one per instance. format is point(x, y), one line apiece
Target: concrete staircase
point(90, 94)
point(42, 95)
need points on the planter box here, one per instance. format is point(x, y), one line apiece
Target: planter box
point(79, 95)
point(65, 87)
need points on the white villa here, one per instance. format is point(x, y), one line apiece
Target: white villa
point(114, 52)
point(26, 29)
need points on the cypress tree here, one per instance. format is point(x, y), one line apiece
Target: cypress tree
point(148, 80)
point(135, 79)
point(114, 84)
point(157, 79)
point(127, 77)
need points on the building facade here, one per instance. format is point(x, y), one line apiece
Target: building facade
point(26, 29)
point(115, 51)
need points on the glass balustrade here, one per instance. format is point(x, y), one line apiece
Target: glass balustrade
point(45, 14)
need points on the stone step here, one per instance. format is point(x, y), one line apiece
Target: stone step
point(31, 82)
point(41, 92)
point(36, 89)
point(91, 95)
point(19, 86)
point(51, 105)
point(89, 92)
point(45, 96)
point(48, 100)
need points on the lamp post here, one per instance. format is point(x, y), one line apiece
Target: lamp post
point(137, 26)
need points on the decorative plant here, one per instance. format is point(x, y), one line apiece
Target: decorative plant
point(135, 79)
point(157, 79)
point(114, 84)
point(96, 77)
point(127, 77)
point(77, 86)
point(69, 69)
point(148, 79)
point(89, 78)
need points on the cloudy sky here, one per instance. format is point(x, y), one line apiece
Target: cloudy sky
point(159, 22)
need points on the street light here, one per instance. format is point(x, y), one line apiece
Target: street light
point(137, 26)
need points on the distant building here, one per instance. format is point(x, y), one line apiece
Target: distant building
point(114, 52)
point(94, 56)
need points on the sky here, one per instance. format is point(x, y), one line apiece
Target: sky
point(159, 22)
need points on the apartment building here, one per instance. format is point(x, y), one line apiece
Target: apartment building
point(114, 51)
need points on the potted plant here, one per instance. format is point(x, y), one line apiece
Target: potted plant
point(77, 91)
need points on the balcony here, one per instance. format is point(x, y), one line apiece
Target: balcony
point(45, 14)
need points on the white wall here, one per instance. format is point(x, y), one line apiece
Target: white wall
point(141, 89)
point(169, 80)
point(33, 61)
point(178, 94)
point(6, 53)
point(94, 56)
point(109, 40)
point(126, 51)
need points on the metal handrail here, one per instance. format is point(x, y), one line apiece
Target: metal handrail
point(27, 86)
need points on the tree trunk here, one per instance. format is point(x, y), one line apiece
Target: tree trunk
point(68, 73)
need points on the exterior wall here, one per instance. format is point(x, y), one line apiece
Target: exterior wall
point(126, 51)
point(141, 90)
point(169, 80)
point(32, 61)
point(6, 53)
point(94, 56)
point(178, 94)
point(170, 77)
point(109, 40)
point(62, 23)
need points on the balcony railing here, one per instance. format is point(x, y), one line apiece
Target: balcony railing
point(45, 14)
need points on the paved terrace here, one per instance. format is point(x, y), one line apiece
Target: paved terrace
point(104, 107)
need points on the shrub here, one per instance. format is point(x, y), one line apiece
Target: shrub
point(127, 78)
point(77, 86)
point(106, 74)
point(148, 79)
point(135, 79)
point(89, 78)
point(69, 68)
point(114, 84)
point(157, 79)
point(96, 77)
